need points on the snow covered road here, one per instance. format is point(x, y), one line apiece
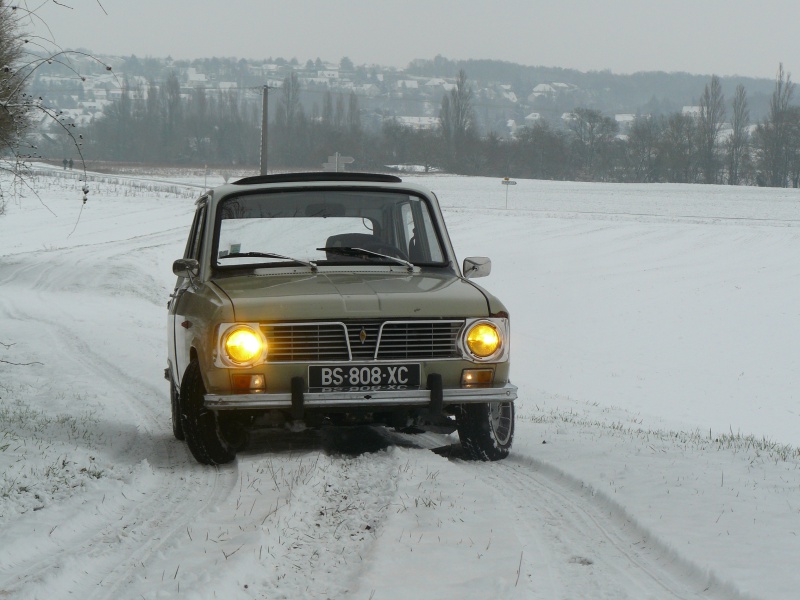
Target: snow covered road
point(607, 494)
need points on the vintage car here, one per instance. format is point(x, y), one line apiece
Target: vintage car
point(332, 299)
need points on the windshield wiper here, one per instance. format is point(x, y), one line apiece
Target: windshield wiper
point(362, 253)
point(310, 264)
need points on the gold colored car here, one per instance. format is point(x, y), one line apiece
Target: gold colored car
point(316, 299)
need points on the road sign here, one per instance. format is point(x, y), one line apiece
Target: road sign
point(506, 181)
point(337, 162)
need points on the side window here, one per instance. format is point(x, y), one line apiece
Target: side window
point(434, 251)
point(195, 242)
point(423, 243)
point(406, 224)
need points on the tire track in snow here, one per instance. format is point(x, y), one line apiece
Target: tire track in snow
point(571, 540)
point(328, 525)
point(592, 547)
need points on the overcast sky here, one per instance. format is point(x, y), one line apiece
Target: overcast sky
point(726, 37)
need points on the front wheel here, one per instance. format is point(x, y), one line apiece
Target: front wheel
point(486, 430)
point(201, 426)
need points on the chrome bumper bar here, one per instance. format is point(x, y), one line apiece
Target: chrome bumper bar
point(348, 399)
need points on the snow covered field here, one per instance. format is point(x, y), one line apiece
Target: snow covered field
point(655, 342)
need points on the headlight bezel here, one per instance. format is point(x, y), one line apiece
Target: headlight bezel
point(500, 354)
point(224, 358)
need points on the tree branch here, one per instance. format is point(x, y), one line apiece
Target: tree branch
point(7, 362)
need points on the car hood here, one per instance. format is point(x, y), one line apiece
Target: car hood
point(257, 297)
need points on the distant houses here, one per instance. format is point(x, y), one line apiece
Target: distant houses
point(385, 94)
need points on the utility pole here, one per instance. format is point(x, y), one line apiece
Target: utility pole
point(264, 125)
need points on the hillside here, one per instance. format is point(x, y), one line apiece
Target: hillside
point(503, 90)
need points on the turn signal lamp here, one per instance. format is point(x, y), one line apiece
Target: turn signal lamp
point(477, 377)
point(483, 339)
point(244, 383)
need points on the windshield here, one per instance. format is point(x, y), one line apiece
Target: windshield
point(326, 227)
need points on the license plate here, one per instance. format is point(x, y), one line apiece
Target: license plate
point(361, 376)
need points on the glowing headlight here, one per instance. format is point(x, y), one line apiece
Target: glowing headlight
point(242, 345)
point(483, 339)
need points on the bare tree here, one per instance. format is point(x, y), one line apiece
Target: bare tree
point(289, 120)
point(13, 111)
point(544, 152)
point(738, 143)
point(20, 57)
point(643, 141)
point(677, 150)
point(339, 119)
point(793, 150)
point(457, 117)
point(289, 107)
point(594, 135)
point(709, 123)
point(446, 119)
point(327, 108)
point(773, 137)
point(353, 115)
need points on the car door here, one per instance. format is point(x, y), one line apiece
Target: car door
point(178, 358)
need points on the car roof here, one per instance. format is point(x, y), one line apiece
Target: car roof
point(307, 180)
point(318, 176)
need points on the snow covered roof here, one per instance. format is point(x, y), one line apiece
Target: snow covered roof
point(510, 96)
point(317, 80)
point(194, 77)
point(96, 104)
point(418, 122)
point(368, 89)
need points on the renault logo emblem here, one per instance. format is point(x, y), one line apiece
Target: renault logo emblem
point(363, 336)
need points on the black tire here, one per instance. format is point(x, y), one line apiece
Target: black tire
point(200, 425)
point(486, 430)
point(177, 425)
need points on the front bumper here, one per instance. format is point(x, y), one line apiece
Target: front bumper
point(361, 399)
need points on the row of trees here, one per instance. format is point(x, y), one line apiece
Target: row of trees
point(708, 145)
point(717, 143)
point(157, 125)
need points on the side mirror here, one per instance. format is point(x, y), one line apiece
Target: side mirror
point(186, 267)
point(477, 266)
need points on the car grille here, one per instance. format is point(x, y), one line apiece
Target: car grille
point(362, 340)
